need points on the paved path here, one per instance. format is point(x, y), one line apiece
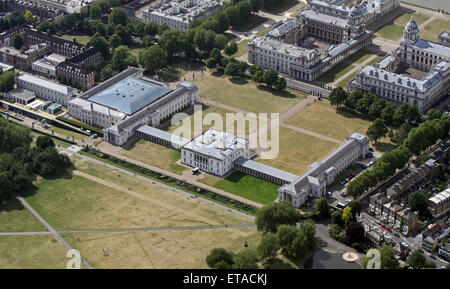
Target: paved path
point(50, 228)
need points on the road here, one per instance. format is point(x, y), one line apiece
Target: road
point(51, 230)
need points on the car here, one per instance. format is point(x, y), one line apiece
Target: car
point(363, 166)
point(342, 182)
point(329, 194)
point(348, 200)
point(383, 226)
point(343, 195)
point(371, 149)
point(397, 235)
point(421, 251)
point(389, 229)
point(433, 257)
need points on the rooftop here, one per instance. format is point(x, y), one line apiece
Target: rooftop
point(47, 83)
point(266, 169)
point(216, 144)
point(130, 95)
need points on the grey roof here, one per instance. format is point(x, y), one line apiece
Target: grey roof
point(130, 95)
point(22, 94)
point(47, 84)
point(283, 28)
point(216, 144)
point(432, 47)
point(324, 18)
point(265, 169)
point(175, 139)
point(283, 48)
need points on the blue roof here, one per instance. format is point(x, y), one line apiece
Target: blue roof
point(130, 95)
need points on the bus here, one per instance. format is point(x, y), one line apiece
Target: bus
point(341, 205)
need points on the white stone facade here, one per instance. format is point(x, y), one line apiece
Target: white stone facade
point(313, 183)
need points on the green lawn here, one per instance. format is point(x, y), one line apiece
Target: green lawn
point(336, 72)
point(246, 186)
point(282, 6)
point(360, 56)
point(155, 155)
point(391, 31)
point(418, 17)
point(183, 66)
point(298, 151)
point(15, 218)
point(428, 35)
point(242, 48)
point(323, 118)
point(253, 22)
point(83, 39)
point(295, 13)
point(437, 26)
point(32, 252)
point(345, 81)
point(245, 94)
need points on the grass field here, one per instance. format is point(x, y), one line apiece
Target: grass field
point(437, 26)
point(298, 151)
point(245, 94)
point(323, 118)
point(336, 72)
point(282, 6)
point(155, 155)
point(67, 133)
point(32, 252)
point(360, 56)
point(226, 124)
point(391, 31)
point(109, 199)
point(15, 218)
point(345, 81)
point(418, 17)
point(182, 66)
point(295, 13)
point(428, 35)
point(185, 249)
point(252, 22)
point(242, 48)
point(83, 39)
point(247, 186)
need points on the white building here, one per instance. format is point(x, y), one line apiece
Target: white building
point(47, 66)
point(46, 89)
point(313, 183)
point(179, 13)
point(427, 76)
point(214, 151)
point(129, 100)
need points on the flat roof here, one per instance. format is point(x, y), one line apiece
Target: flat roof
point(265, 169)
point(130, 95)
point(47, 83)
point(22, 94)
point(216, 144)
point(173, 138)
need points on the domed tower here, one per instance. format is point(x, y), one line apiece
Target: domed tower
point(411, 32)
point(354, 17)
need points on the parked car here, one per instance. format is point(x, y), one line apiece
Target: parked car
point(433, 257)
point(363, 166)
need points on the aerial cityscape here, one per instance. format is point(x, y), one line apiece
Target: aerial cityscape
point(224, 134)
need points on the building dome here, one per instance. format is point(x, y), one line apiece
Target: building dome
point(411, 25)
point(355, 11)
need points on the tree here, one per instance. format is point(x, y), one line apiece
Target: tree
point(173, 41)
point(280, 84)
point(376, 109)
point(220, 41)
point(336, 218)
point(245, 259)
point(44, 142)
point(322, 207)
point(268, 247)
point(17, 41)
point(387, 114)
point(223, 22)
point(355, 206)
point(115, 40)
point(338, 96)
point(377, 130)
point(417, 201)
point(269, 217)
point(232, 69)
point(416, 260)
point(29, 18)
point(347, 215)
point(118, 16)
point(270, 77)
point(231, 48)
point(388, 260)
point(100, 43)
point(219, 258)
point(430, 264)
point(285, 235)
point(434, 114)
point(354, 233)
point(95, 11)
point(122, 58)
point(7, 80)
point(335, 231)
point(153, 58)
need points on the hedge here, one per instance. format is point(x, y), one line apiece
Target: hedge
point(81, 124)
